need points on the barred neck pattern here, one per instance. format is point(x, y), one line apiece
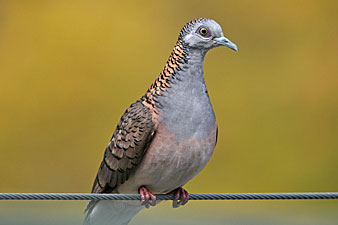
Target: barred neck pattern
point(177, 57)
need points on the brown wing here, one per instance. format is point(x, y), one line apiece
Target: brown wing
point(126, 148)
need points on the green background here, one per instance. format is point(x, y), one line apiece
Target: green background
point(69, 69)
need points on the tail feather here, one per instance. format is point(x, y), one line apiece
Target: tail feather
point(111, 212)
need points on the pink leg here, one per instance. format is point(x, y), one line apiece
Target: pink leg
point(145, 196)
point(182, 194)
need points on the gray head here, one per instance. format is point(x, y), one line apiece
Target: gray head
point(204, 34)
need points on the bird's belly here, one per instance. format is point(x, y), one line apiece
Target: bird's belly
point(169, 164)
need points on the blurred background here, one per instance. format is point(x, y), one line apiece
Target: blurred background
point(69, 69)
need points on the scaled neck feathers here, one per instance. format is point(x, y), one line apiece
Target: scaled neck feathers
point(177, 58)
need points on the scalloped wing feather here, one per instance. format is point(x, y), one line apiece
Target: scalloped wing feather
point(125, 151)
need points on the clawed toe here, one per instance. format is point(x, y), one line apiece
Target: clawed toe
point(181, 197)
point(146, 195)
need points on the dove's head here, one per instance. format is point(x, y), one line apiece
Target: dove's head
point(204, 34)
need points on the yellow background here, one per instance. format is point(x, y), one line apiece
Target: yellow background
point(69, 69)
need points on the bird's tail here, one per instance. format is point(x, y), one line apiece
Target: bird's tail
point(111, 212)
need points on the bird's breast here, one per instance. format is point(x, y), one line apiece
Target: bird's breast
point(185, 109)
point(170, 163)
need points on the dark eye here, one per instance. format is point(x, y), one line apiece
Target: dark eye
point(203, 31)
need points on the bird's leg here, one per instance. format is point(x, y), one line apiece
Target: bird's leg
point(145, 196)
point(182, 194)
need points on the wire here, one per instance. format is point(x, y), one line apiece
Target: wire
point(209, 196)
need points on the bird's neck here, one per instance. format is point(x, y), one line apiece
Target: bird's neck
point(182, 60)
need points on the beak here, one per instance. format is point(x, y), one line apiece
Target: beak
point(224, 41)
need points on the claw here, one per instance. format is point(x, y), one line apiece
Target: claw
point(182, 195)
point(146, 195)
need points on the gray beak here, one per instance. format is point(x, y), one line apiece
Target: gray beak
point(226, 42)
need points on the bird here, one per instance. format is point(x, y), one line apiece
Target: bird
point(166, 137)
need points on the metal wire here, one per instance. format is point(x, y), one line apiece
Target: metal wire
point(210, 196)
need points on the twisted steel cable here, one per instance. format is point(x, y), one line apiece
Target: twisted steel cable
point(208, 196)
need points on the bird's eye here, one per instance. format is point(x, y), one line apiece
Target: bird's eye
point(204, 31)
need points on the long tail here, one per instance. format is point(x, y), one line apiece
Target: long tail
point(111, 212)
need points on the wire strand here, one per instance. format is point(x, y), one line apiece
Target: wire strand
point(207, 196)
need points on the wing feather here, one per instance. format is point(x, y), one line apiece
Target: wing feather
point(126, 148)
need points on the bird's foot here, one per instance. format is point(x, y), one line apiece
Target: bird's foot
point(182, 195)
point(146, 195)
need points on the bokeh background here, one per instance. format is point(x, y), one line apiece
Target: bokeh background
point(69, 69)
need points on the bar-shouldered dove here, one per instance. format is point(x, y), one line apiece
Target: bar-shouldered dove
point(166, 137)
